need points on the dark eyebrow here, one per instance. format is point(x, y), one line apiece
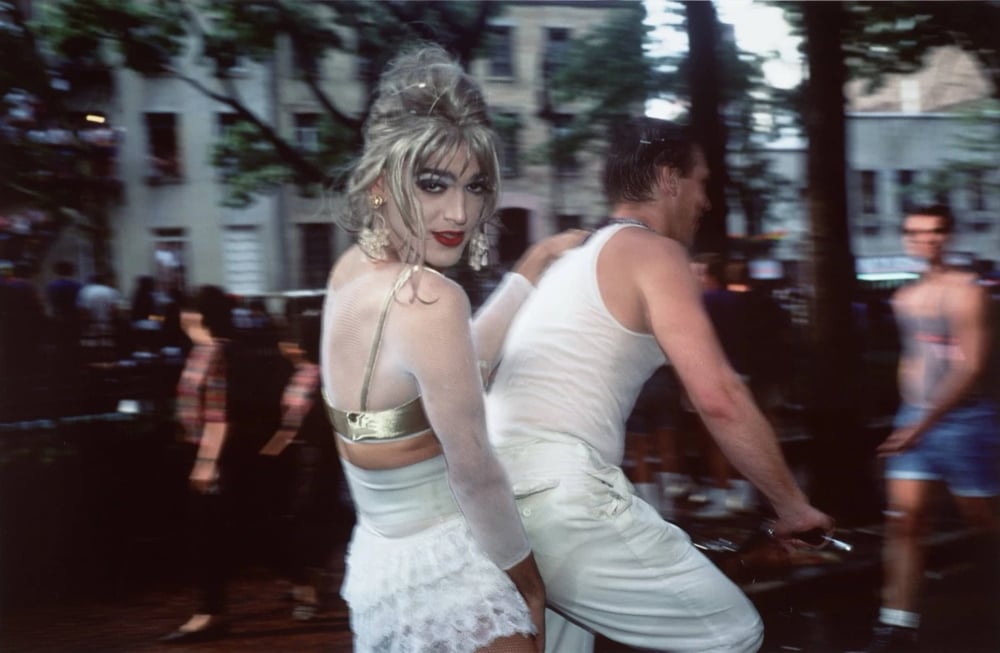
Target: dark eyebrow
point(442, 174)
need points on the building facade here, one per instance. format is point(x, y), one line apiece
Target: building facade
point(171, 221)
point(929, 137)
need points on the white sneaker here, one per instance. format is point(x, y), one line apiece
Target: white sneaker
point(674, 485)
point(715, 505)
point(742, 496)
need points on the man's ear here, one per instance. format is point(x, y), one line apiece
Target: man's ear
point(668, 179)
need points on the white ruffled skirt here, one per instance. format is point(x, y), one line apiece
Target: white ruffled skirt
point(429, 590)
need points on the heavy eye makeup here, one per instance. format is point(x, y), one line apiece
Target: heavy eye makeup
point(438, 181)
point(434, 181)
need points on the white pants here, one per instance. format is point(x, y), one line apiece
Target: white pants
point(612, 565)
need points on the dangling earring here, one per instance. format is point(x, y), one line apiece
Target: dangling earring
point(375, 238)
point(479, 251)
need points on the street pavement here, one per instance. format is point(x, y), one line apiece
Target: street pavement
point(809, 602)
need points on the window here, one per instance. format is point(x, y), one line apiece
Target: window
point(224, 123)
point(317, 254)
point(869, 192)
point(170, 258)
point(976, 189)
point(307, 131)
point(225, 160)
point(556, 47)
point(501, 57)
point(507, 126)
point(242, 260)
point(904, 189)
point(164, 151)
point(564, 146)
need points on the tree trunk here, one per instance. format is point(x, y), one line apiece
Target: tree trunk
point(706, 124)
point(840, 455)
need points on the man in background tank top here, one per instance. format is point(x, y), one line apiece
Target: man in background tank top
point(946, 428)
point(604, 317)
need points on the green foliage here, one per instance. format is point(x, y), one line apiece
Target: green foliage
point(607, 68)
point(146, 34)
point(883, 38)
point(605, 74)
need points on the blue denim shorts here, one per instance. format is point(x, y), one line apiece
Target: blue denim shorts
point(962, 449)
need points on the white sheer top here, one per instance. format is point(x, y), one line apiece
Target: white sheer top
point(428, 350)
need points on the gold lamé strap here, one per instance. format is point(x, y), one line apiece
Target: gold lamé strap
point(356, 426)
point(377, 342)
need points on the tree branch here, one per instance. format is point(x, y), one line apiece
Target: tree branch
point(305, 170)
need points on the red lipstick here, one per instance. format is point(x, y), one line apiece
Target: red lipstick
point(449, 238)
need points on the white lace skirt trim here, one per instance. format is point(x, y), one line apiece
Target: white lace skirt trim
point(431, 591)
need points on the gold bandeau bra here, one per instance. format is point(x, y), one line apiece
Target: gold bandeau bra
point(363, 425)
point(400, 422)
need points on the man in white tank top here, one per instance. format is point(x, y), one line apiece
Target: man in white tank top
point(601, 320)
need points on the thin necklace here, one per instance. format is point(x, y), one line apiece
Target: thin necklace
point(632, 221)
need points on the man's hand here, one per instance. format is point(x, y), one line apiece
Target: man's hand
point(543, 253)
point(800, 519)
point(899, 440)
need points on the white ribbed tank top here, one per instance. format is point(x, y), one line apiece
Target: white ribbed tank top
point(569, 368)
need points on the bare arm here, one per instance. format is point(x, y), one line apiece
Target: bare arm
point(671, 301)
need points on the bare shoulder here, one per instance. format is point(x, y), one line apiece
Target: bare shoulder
point(344, 268)
point(430, 294)
point(965, 292)
point(645, 251)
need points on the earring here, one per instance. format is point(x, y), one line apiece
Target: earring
point(374, 239)
point(377, 202)
point(479, 251)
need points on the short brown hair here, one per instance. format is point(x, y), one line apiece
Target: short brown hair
point(937, 210)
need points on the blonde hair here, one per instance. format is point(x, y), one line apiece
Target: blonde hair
point(426, 108)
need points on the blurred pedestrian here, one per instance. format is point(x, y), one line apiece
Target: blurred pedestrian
point(100, 306)
point(145, 319)
point(228, 404)
point(304, 442)
point(22, 327)
point(946, 429)
point(62, 292)
point(598, 324)
point(201, 413)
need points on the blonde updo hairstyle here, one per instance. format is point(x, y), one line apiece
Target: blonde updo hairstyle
point(426, 108)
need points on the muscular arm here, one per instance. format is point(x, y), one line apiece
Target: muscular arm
point(671, 303)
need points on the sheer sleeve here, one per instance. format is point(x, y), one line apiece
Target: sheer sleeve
point(435, 345)
point(489, 326)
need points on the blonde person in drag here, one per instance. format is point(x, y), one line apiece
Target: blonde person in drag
point(439, 559)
